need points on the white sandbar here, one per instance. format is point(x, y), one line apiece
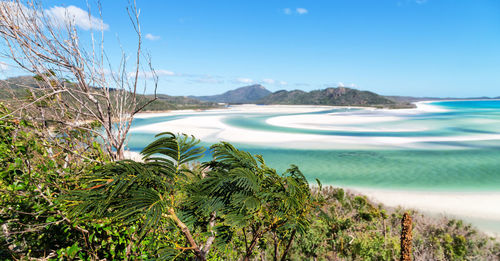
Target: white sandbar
point(209, 126)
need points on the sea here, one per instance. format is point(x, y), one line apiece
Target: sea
point(442, 146)
point(456, 147)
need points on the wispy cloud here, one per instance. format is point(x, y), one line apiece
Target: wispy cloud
point(4, 66)
point(299, 11)
point(340, 84)
point(149, 74)
point(268, 81)
point(273, 82)
point(165, 75)
point(208, 79)
point(57, 15)
point(243, 80)
point(152, 37)
point(420, 1)
point(77, 16)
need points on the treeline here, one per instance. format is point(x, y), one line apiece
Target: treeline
point(67, 202)
point(21, 89)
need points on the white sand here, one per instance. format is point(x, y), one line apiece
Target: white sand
point(132, 155)
point(246, 108)
point(336, 122)
point(209, 126)
point(484, 206)
point(355, 121)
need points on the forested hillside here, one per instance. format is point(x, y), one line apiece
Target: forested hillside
point(20, 87)
point(339, 96)
point(246, 94)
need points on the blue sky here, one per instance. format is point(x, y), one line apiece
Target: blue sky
point(393, 47)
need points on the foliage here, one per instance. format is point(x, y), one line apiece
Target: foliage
point(161, 192)
point(142, 193)
point(169, 206)
point(253, 200)
point(17, 90)
point(33, 175)
point(340, 96)
point(351, 227)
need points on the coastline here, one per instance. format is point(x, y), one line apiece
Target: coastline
point(375, 107)
point(309, 131)
point(481, 208)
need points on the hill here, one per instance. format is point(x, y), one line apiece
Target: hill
point(167, 102)
point(339, 96)
point(17, 87)
point(247, 94)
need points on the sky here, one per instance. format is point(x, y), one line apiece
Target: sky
point(438, 48)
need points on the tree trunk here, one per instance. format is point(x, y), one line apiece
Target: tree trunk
point(187, 234)
point(275, 256)
point(206, 248)
point(406, 238)
point(287, 249)
point(249, 251)
point(120, 153)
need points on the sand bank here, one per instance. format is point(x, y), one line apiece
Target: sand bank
point(209, 126)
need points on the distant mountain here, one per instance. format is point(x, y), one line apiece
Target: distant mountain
point(339, 96)
point(247, 94)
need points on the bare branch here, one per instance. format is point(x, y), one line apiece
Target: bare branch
point(71, 78)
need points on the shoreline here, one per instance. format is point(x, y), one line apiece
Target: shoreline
point(479, 208)
point(376, 107)
point(311, 131)
point(229, 106)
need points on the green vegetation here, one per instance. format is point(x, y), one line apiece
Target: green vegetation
point(18, 87)
point(340, 96)
point(166, 102)
point(330, 96)
point(246, 94)
point(15, 90)
point(65, 204)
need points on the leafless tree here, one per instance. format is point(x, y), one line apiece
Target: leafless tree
point(76, 82)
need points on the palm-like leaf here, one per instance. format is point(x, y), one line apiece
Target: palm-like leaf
point(244, 190)
point(131, 192)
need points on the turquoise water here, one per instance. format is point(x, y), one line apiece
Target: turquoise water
point(455, 148)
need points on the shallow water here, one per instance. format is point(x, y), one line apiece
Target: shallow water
point(454, 147)
point(444, 147)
